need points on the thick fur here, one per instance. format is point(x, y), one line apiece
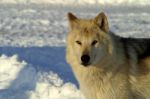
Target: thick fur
point(119, 67)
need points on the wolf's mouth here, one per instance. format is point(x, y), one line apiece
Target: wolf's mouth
point(86, 64)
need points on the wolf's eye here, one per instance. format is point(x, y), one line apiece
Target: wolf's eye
point(78, 42)
point(94, 42)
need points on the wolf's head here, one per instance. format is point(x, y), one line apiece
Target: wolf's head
point(88, 40)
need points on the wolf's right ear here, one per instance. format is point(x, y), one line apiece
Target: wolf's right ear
point(73, 20)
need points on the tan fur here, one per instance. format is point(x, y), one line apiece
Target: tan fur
point(110, 75)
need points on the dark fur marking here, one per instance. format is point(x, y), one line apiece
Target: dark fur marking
point(141, 46)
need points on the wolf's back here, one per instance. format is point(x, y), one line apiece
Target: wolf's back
point(140, 46)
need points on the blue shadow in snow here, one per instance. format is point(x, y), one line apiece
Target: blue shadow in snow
point(44, 59)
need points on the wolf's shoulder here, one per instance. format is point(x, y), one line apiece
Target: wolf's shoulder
point(141, 46)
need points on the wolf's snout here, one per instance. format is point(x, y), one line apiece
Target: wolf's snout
point(85, 59)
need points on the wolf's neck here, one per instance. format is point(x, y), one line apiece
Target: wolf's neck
point(110, 67)
point(117, 51)
point(114, 59)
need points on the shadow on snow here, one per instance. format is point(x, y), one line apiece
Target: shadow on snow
point(43, 59)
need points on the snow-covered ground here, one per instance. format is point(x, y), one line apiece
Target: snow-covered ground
point(79, 2)
point(32, 47)
point(20, 80)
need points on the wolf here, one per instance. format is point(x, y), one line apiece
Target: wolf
point(106, 65)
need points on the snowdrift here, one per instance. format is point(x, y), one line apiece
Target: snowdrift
point(20, 80)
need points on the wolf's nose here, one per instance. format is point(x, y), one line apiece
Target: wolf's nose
point(85, 59)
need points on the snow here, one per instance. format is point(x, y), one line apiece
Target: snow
point(32, 47)
point(14, 76)
point(6, 70)
point(53, 88)
point(79, 2)
point(32, 84)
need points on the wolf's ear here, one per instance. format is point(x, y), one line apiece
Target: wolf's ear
point(73, 20)
point(102, 22)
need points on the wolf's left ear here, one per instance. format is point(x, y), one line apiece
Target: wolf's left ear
point(102, 22)
point(73, 20)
